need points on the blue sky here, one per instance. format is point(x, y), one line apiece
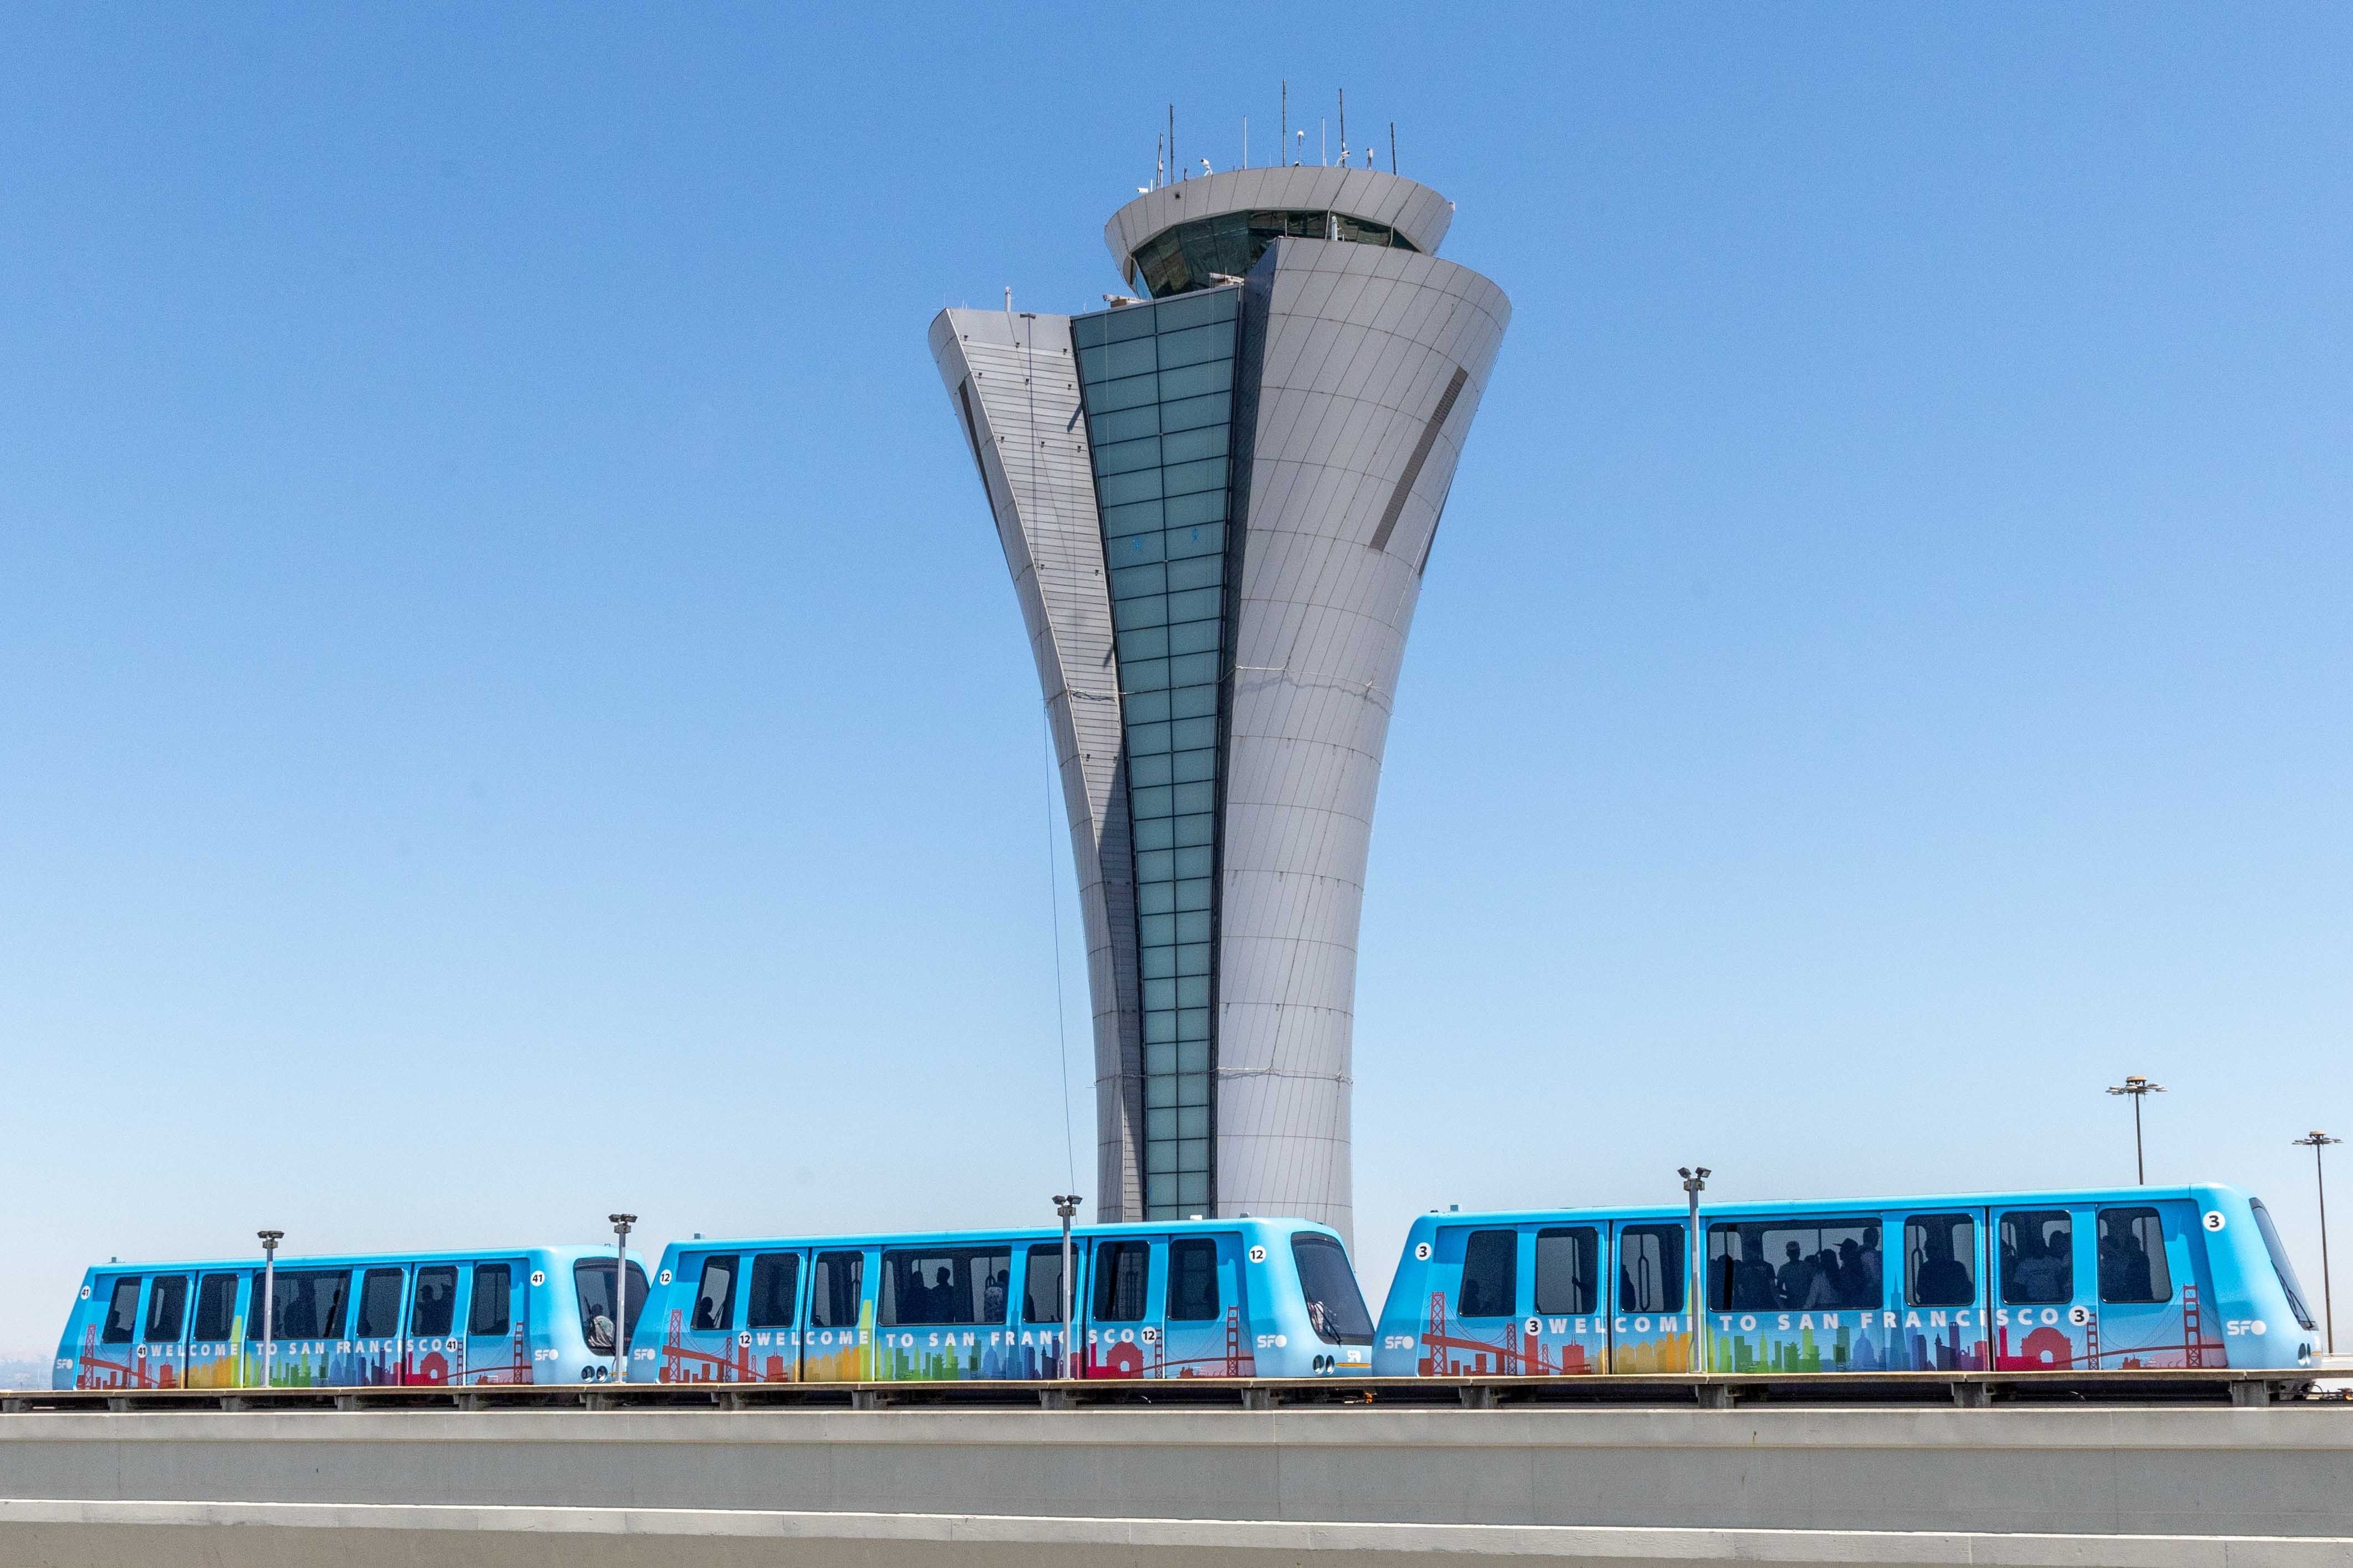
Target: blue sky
point(511, 704)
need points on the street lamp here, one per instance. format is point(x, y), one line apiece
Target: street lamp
point(621, 1224)
point(2317, 1141)
point(1066, 1206)
point(2139, 1088)
point(270, 1240)
point(1695, 1184)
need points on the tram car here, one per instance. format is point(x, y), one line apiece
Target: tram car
point(527, 1314)
point(1239, 1297)
point(2103, 1280)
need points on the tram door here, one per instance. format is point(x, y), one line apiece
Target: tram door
point(1650, 1330)
point(700, 1335)
point(2149, 1309)
point(498, 1345)
point(162, 1332)
point(1944, 1321)
point(378, 1348)
point(433, 1351)
point(1039, 1341)
point(1126, 1281)
point(1205, 1323)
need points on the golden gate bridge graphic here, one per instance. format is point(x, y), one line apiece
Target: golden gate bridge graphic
point(1520, 1355)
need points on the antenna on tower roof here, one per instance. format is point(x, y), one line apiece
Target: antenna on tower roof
point(1344, 127)
point(1392, 146)
point(1283, 142)
point(1173, 166)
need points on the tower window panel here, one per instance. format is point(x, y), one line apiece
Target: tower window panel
point(1191, 669)
point(1196, 344)
point(1192, 413)
point(1189, 1056)
point(1192, 1023)
point(1192, 1192)
point(1193, 380)
point(1145, 642)
point(1150, 737)
point(1087, 331)
point(1117, 489)
point(1138, 517)
point(1153, 801)
point(1161, 1192)
point(1161, 1063)
point(1134, 582)
point(1193, 1122)
point(1145, 674)
point(1193, 636)
point(1195, 702)
point(1182, 478)
point(1123, 456)
point(1189, 831)
point(1193, 958)
point(1136, 549)
point(1146, 707)
point(1160, 963)
point(1129, 321)
point(1191, 446)
point(1160, 1159)
point(1192, 894)
point(1193, 991)
point(1191, 767)
point(1157, 931)
point(1193, 925)
point(1209, 538)
point(1153, 833)
point(1192, 1155)
point(1113, 360)
point(1159, 1028)
point(1192, 1089)
point(1159, 993)
point(1128, 425)
point(1158, 898)
point(1217, 305)
point(1132, 615)
point(1136, 392)
point(1154, 770)
point(1193, 798)
point(1159, 866)
point(1195, 605)
point(1184, 735)
point(1195, 571)
point(1160, 1123)
point(1192, 510)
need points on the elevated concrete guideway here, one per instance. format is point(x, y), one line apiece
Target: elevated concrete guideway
point(2025, 1487)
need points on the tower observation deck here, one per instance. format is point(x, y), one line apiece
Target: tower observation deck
point(1218, 502)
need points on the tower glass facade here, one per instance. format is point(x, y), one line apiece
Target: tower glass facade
point(1157, 384)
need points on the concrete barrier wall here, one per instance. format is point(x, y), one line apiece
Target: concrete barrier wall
point(2283, 1471)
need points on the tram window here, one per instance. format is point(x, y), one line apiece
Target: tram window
point(1335, 1306)
point(776, 1280)
point(1192, 1280)
point(493, 1311)
point(1568, 1267)
point(121, 1313)
point(714, 1299)
point(216, 1306)
point(2132, 1257)
point(167, 1308)
point(835, 1289)
point(1041, 1290)
point(1491, 1275)
point(1650, 1268)
point(592, 1282)
point(1940, 1259)
point(437, 1303)
point(379, 1304)
point(2038, 1257)
point(1818, 1265)
point(2280, 1264)
point(950, 1285)
point(1123, 1278)
point(309, 1305)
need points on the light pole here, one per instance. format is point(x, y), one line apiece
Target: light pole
point(1696, 1282)
point(2140, 1088)
point(621, 1224)
point(2317, 1141)
point(1066, 1206)
point(270, 1240)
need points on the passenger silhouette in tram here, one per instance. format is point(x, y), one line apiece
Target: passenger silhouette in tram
point(1855, 1289)
point(1827, 1288)
point(1943, 1280)
point(1752, 1284)
point(1795, 1277)
point(943, 1298)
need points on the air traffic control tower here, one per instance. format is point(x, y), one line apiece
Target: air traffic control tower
point(1217, 503)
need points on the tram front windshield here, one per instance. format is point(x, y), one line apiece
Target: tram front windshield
point(595, 1280)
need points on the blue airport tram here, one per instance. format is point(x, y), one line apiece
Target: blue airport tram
point(1239, 1297)
point(515, 1315)
point(2096, 1280)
